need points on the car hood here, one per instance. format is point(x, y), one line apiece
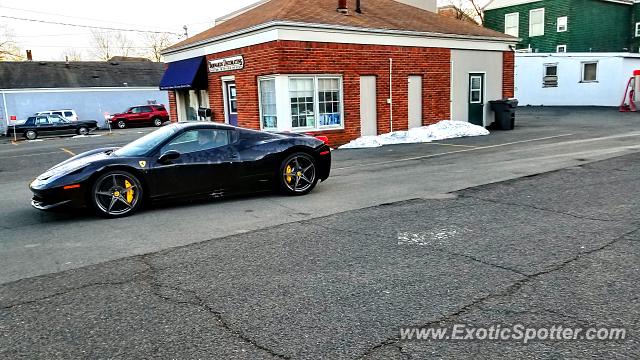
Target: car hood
point(77, 162)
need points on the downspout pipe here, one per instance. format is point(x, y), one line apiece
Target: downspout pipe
point(391, 94)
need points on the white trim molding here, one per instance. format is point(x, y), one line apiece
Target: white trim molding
point(284, 30)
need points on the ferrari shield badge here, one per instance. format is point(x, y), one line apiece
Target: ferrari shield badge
point(142, 163)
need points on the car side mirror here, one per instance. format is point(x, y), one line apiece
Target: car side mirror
point(168, 157)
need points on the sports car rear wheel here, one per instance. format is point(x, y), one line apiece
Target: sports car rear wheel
point(298, 174)
point(116, 194)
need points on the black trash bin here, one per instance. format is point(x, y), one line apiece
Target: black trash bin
point(505, 111)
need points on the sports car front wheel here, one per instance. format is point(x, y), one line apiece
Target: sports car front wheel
point(116, 194)
point(298, 174)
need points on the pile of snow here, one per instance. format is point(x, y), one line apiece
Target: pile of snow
point(443, 130)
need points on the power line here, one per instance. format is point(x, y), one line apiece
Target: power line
point(64, 15)
point(87, 26)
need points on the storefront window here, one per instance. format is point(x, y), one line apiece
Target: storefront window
point(329, 102)
point(301, 92)
point(188, 103)
point(311, 102)
point(268, 108)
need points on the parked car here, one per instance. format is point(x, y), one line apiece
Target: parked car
point(38, 125)
point(189, 160)
point(68, 114)
point(141, 115)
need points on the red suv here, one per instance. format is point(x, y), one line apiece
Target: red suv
point(143, 114)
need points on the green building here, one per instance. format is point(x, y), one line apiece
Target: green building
point(548, 26)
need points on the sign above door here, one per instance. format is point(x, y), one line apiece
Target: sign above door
point(226, 64)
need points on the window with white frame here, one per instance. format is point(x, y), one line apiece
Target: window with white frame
point(590, 71)
point(316, 102)
point(329, 109)
point(561, 48)
point(550, 77)
point(638, 29)
point(536, 22)
point(268, 104)
point(302, 94)
point(563, 23)
point(512, 24)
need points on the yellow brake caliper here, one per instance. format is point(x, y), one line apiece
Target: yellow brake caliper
point(289, 171)
point(127, 185)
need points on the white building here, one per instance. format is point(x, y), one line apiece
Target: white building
point(573, 79)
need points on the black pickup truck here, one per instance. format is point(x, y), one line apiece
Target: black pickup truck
point(38, 125)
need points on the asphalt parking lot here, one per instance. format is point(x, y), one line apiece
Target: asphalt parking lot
point(551, 248)
point(36, 243)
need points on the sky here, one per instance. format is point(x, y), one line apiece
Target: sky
point(49, 42)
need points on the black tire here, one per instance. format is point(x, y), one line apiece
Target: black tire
point(82, 130)
point(112, 197)
point(157, 122)
point(298, 174)
point(31, 134)
point(121, 124)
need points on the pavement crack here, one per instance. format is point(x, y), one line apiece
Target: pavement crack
point(133, 278)
point(509, 291)
point(191, 298)
point(582, 217)
point(436, 248)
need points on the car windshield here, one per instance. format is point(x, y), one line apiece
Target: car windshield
point(146, 143)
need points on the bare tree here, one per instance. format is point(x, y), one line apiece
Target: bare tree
point(155, 43)
point(72, 54)
point(9, 50)
point(102, 45)
point(123, 45)
point(469, 9)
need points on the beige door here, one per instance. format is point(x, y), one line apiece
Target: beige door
point(415, 101)
point(368, 111)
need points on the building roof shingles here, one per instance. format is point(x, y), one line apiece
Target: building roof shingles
point(376, 14)
point(56, 74)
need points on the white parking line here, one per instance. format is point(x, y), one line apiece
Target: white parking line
point(451, 152)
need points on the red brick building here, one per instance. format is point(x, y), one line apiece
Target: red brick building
point(316, 67)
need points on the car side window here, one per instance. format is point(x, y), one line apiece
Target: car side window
point(54, 119)
point(135, 110)
point(145, 109)
point(42, 120)
point(68, 113)
point(198, 140)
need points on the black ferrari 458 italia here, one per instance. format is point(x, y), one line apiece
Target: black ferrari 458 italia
point(195, 160)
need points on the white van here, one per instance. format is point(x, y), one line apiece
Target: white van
point(67, 114)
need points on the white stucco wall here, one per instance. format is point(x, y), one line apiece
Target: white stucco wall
point(464, 62)
point(614, 70)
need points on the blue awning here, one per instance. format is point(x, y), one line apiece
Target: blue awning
point(185, 74)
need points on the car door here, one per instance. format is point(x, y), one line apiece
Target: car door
point(146, 112)
point(203, 168)
point(135, 115)
point(60, 125)
point(43, 125)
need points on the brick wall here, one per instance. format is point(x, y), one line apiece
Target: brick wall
point(351, 61)
point(173, 108)
point(508, 74)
